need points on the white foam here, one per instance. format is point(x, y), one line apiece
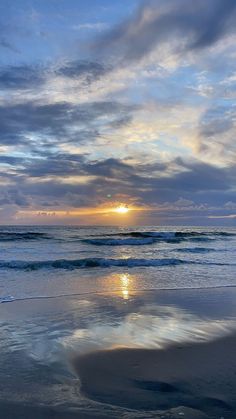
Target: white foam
point(7, 299)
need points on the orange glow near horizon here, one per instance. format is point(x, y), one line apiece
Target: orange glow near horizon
point(112, 210)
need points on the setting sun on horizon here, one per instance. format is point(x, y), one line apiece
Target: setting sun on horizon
point(95, 215)
point(122, 209)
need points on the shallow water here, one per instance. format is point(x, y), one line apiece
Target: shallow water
point(39, 340)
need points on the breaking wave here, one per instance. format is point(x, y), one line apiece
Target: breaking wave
point(120, 242)
point(140, 238)
point(89, 263)
point(7, 299)
point(96, 263)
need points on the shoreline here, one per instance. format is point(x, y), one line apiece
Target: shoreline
point(159, 353)
point(115, 292)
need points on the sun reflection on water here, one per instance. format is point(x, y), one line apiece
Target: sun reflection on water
point(125, 285)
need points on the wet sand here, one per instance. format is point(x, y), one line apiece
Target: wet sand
point(20, 411)
point(27, 411)
point(200, 376)
point(110, 370)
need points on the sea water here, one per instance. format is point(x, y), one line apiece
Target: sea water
point(53, 261)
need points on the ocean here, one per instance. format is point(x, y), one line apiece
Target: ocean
point(55, 261)
point(107, 322)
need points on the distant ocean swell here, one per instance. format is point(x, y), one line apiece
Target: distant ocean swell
point(146, 238)
point(97, 263)
point(11, 236)
point(130, 238)
point(135, 242)
point(170, 234)
point(120, 242)
point(195, 250)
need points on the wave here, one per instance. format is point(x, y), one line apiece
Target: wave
point(120, 242)
point(170, 234)
point(135, 238)
point(130, 238)
point(99, 263)
point(195, 250)
point(15, 236)
point(204, 233)
point(140, 234)
point(7, 299)
point(89, 263)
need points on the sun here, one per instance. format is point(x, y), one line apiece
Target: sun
point(122, 209)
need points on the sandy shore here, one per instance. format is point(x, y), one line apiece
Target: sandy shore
point(27, 411)
point(200, 376)
point(92, 357)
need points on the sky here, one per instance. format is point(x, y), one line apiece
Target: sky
point(122, 103)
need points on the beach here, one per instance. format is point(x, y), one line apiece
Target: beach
point(194, 375)
point(118, 209)
point(155, 354)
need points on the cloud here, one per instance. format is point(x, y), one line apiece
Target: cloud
point(64, 181)
point(114, 120)
point(53, 164)
point(14, 197)
point(217, 133)
point(110, 168)
point(190, 26)
point(122, 178)
point(230, 216)
point(216, 121)
point(17, 77)
point(33, 124)
point(21, 77)
point(10, 160)
point(97, 26)
point(19, 121)
point(90, 70)
point(230, 205)
point(7, 45)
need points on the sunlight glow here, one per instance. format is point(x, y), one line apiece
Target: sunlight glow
point(112, 210)
point(122, 209)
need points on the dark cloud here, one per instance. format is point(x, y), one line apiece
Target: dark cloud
point(198, 177)
point(217, 129)
point(121, 122)
point(38, 182)
point(141, 181)
point(56, 164)
point(21, 77)
point(56, 194)
point(11, 160)
point(190, 25)
point(217, 120)
point(19, 121)
point(90, 70)
point(28, 76)
point(57, 122)
point(110, 168)
point(13, 196)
